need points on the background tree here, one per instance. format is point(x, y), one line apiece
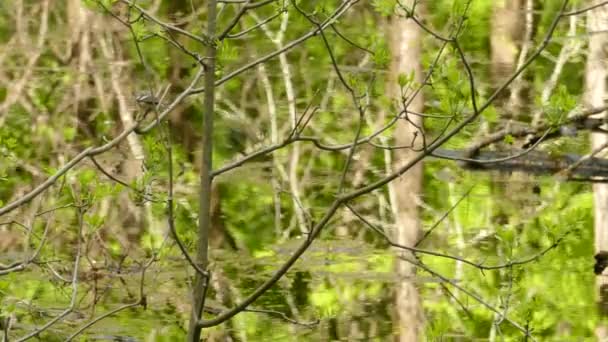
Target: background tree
point(595, 92)
point(406, 45)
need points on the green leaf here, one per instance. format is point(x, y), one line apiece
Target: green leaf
point(405, 79)
point(69, 133)
point(382, 57)
point(384, 7)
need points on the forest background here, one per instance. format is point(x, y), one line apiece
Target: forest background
point(303, 170)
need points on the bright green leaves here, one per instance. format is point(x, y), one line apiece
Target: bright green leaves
point(86, 177)
point(384, 7)
point(140, 30)
point(357, 83)
point(405, 80)
point(7, 144)
point(69, 133)
point(326, 301)
point(156, 155)
point(227, 52)
point(491, 115)
point(382, 56)
point(96, 4)
point(560, 104)
point(451, 87)
point(94, 221)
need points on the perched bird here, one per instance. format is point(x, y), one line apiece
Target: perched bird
point(147, 100)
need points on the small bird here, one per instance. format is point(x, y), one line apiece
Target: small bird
point(147, 100)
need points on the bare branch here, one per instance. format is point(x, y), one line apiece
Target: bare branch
point(93, 151)
point(70, 308)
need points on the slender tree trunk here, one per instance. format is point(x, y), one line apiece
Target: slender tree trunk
point(506, 30)
point(199, 291)
point(595, 93)
point(405, 46)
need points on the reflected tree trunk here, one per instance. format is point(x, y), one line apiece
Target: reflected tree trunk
point(506, 28)
point(507, 52)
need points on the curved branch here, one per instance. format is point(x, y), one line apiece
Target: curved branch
point(93, 151)
point(332, 19)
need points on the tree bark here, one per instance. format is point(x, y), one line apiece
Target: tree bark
point(405, 41)
point(204, 216)
point(596, 72)
point(506, 30)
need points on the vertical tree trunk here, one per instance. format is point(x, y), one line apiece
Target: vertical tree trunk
point(506, 29)
point(204, 215)
point(595, 92)
point(405, 41)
